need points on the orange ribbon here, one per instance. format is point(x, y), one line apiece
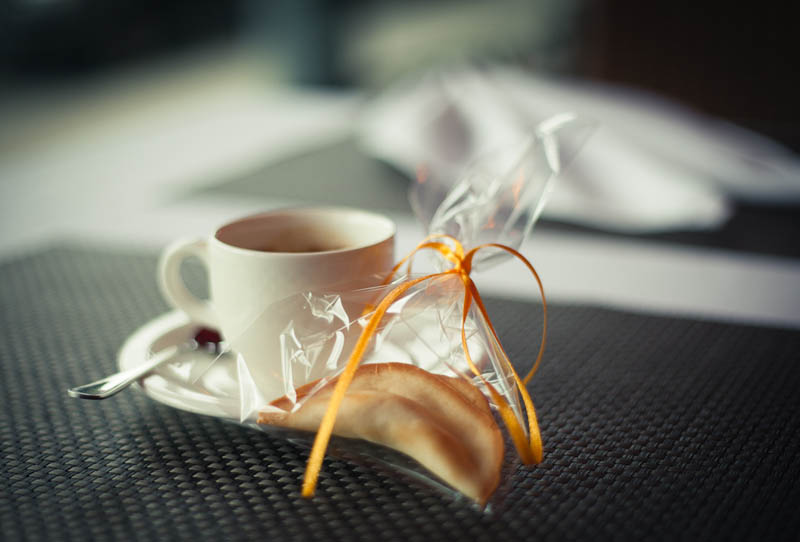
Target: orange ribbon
point(528, 443)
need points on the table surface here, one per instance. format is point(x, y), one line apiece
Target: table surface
point(654, 428)
point(667, 397)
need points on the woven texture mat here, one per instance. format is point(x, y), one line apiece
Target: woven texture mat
point(654, 428)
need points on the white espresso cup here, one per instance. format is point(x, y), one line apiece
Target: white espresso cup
point(256, 261)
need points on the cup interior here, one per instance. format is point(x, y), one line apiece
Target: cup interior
point(307, 230)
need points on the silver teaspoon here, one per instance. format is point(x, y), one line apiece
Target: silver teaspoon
point(206, 339)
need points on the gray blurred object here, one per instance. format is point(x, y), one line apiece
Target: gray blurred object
point(394, 39)
point(299, 37)
point(336, 173)
point(369, 45)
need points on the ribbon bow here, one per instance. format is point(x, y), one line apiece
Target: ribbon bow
point(528, 443)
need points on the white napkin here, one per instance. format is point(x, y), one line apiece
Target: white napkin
point(650, 166)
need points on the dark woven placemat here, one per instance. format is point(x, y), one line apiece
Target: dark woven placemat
point(655, 428)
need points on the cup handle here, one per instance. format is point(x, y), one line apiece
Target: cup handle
point(171, 282)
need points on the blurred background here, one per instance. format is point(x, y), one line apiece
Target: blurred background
point(727, 59)
point(136, 121)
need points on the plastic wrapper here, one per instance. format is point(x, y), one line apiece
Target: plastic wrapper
point(299, 350)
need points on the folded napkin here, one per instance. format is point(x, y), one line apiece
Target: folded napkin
point(651, 165)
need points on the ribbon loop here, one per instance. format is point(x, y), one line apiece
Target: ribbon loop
point(527, 438)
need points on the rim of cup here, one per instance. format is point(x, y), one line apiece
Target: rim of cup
point(380, 227)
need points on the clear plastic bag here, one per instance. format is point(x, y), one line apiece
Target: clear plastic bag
point(426, 331)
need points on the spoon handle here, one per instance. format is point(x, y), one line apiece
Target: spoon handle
point(108, 386)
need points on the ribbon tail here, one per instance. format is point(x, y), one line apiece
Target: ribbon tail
point(526, 448)
point(326, 426)
point(532, 451)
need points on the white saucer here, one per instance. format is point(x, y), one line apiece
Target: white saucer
point(195, 380)
point(208, 383)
